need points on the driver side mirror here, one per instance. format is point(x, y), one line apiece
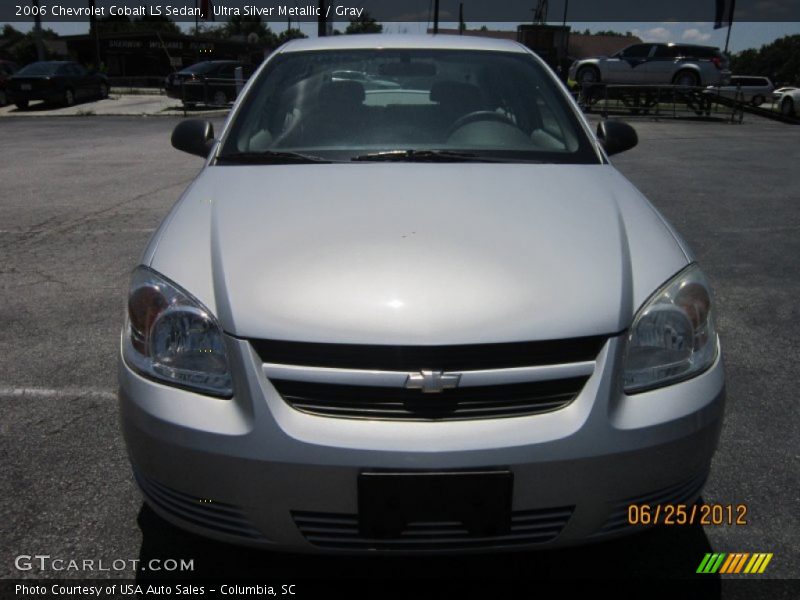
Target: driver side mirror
point(193, 136)
point(616, 136)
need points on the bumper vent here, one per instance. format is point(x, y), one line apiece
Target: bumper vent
point(680, 493)
point(340, 531)
point(214, 516)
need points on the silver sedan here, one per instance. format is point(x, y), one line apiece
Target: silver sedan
point(430, 317)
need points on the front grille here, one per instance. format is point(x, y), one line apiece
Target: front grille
point(201, 512)
point(467, 357)
point(680, 493)
point(362, 402)
point(340, 531)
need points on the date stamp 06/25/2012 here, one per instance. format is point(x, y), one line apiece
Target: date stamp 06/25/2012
point(687, 514)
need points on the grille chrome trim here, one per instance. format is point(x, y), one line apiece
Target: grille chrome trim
point(398, 379)
point(459, 357)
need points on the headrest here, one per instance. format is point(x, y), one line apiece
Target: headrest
point(342, 92)
point(456, 92)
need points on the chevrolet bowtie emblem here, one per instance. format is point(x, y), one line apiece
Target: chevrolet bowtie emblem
point(432, 382)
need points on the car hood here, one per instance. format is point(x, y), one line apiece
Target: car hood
point(414, 253)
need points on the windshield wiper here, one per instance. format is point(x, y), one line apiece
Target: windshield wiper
point(270, 157)
point(424, 156)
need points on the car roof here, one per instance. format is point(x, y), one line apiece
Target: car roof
point(401, 41)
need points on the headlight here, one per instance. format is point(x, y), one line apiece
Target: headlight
point(171, 337)
point(673, 337)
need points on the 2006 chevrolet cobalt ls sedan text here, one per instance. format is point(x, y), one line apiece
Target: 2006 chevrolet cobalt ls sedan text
point(426, 316)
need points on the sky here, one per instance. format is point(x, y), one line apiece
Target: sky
point(743, 35)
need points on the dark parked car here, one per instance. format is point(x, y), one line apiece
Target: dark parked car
point(7, 69)
point(208, 82)
point(58, 82)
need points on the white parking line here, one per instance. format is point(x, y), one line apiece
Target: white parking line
point(38, 392)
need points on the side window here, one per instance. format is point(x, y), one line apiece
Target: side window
point(227, 72)
point(666, 52)
point(637, 51)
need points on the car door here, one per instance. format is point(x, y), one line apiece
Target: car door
point(628, 65)
point(661, 66)
point(79, 79)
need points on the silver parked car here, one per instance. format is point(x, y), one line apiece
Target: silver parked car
point(746, 88)
point(651, 64)
point(789, 101)
point(429, 318)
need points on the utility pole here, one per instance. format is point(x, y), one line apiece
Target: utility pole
point(728, 37)
point(461, 25)
point(95, 34)
point(322, 26)
point(565, 32)
point(435, 16)
point(37, 31)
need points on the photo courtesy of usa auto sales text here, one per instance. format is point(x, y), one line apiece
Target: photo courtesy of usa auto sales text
point(132, 589)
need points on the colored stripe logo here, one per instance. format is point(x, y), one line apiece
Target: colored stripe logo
point(734, 563)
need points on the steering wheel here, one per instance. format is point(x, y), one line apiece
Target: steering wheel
point(479, 115)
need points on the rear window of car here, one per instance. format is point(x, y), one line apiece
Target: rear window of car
point(201, 67)
point(698, 52)
point(749, 81)
point(39, 68)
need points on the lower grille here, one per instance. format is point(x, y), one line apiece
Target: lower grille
point(679, 493)
point(340, 531)
point(201, 512)
point(483, 402)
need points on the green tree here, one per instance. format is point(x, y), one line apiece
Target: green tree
point(122, 24)
point(779, 60)
point(289, 34)
point(22, 47)
point(364, 24)
point(244, 26)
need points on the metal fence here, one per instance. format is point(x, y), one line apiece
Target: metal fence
point(659, 101)
point(673, 101)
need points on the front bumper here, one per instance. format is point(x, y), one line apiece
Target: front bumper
point(254, 471)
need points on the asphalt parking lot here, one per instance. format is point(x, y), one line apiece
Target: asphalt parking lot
point(79, 199)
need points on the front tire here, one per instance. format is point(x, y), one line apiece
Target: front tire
point(588, 76)
point(3, 98)
point(220, 98)
point(758, 100)
point(21, 104)
point(787, 107)
point(69, 97)
point(103, 91)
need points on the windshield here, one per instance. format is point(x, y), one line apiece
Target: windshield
point(408, 105)
point(40, 68)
